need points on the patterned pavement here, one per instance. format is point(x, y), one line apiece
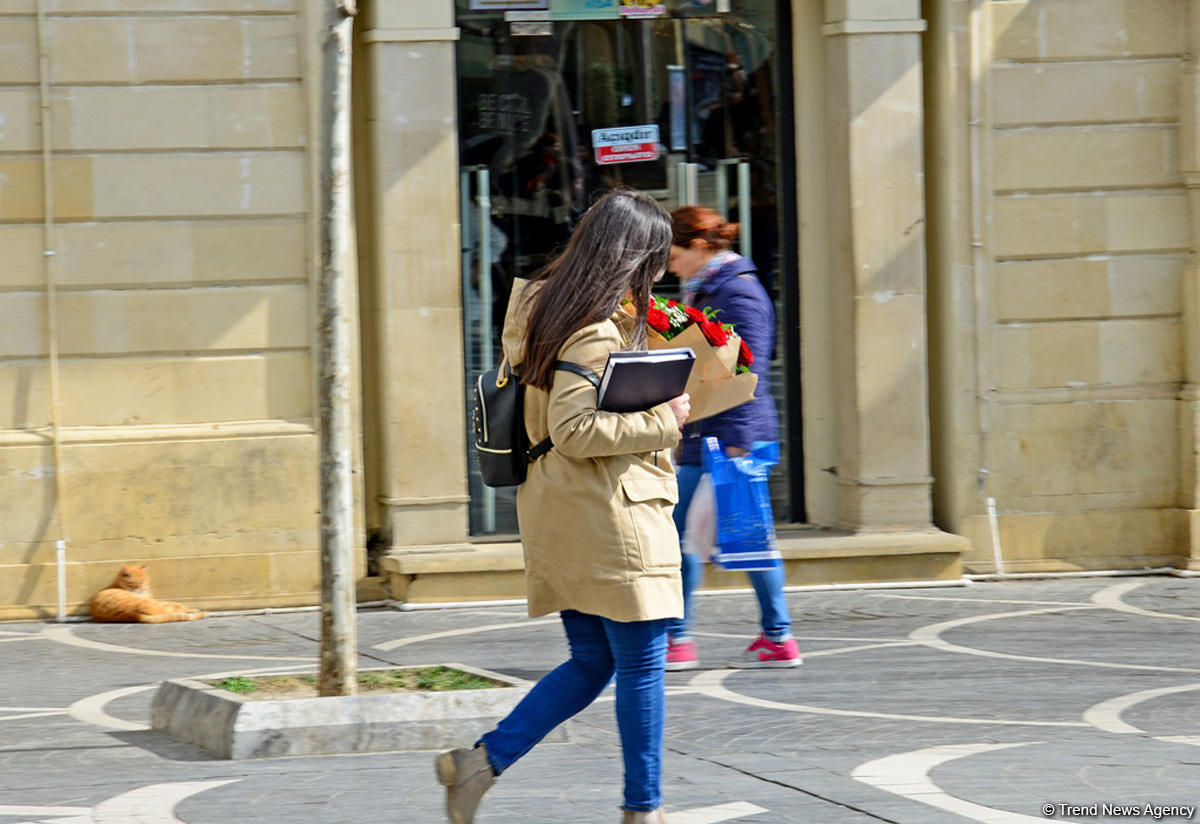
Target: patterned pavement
point(1073, 700)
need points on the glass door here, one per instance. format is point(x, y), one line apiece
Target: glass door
point(558, 105)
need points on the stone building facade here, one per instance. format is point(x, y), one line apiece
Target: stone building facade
point(986, 282)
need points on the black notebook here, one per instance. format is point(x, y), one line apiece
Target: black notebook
point(637, 381)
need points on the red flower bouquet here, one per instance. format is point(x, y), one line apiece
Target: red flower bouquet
point(669, 318)
point(721, 377)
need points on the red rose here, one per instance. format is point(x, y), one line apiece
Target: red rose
point(713, 333)
point(672, 303)
point(658, 320)
point(695, 314)
point(745, 356)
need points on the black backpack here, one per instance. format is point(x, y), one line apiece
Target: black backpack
point(501, 442)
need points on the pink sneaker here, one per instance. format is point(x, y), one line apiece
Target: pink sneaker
point(682, 655)
point(766, 654)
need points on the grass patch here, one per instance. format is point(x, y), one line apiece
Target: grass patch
point(410, 679)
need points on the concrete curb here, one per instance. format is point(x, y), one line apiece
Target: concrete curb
point(235, 727)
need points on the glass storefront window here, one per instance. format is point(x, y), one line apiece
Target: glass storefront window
point(541, 94)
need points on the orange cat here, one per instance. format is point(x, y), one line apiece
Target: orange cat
point(128, 599)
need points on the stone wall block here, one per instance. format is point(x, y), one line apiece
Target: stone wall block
point(273, 47)
point(1097, 539)
point(1088, 158)
point(1085, 455)
point(191, 320)
point(189, 48)
point(257, 116)
point(91, 50)
point(1150, 285)
point(429, 94)
point(19, 114)
point(24, 401)
point(259, 183)
point(1141, 351)
point(1087, 28)
point(418, 201)
point(21, 188)
point(251, 116)
point(140, 6)
point(181, 389)
point(18, 50)
point(1102, 285)
point(839, 10)
point(1024, 93)
point(1090, 223)
point(431, 340)
point(195, 487)
point(142, 500)
point(23, 324)
point(21, 251)
point(145, 117)
point(889, 374)
point(176, 252)
point(1051, 289)
point(884, 508)
point(1047, 355)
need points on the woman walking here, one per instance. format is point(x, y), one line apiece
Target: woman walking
point(712, 275)
point(600, 545)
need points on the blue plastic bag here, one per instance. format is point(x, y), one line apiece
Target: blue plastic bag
point(745, 523)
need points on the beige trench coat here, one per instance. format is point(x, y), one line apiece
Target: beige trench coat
point(595, 511)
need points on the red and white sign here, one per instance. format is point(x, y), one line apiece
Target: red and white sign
point(625, 144)
point(642, 8)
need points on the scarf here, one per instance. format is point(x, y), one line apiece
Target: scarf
point(695, 284)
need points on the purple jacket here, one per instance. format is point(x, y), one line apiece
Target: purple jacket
point(736, 291)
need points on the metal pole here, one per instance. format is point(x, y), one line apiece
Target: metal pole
point(723, 184)
point(688, 182)
point(484, 217)
point(467, 238)
point(745, 235)
point(722, 189)
point(49, 244)
point(339, 641)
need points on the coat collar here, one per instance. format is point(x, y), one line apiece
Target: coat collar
point(735, 268)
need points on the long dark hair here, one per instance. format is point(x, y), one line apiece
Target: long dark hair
point(621, 244)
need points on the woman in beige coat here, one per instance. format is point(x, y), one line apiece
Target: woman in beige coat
point(600, 545)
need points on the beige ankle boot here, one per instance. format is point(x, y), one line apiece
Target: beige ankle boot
point(467, 776)
point(654, 817)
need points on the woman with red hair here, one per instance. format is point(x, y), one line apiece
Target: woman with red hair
point(713, 275)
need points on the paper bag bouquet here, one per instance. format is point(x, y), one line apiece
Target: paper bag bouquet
point(716, 384)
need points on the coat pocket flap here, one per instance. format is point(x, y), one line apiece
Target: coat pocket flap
point(651, 489)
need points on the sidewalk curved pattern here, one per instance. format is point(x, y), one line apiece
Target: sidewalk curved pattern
point(907, 774)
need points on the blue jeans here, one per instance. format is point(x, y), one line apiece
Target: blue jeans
point(768, 584)
point(636, 651)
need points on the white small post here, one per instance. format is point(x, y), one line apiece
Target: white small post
point(60, 555)
point(997, 554)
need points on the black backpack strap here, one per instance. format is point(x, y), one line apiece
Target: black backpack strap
point(581, 371)
point(545, 445)
point(538, 450)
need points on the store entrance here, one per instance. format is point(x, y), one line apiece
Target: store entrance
point(558, 105)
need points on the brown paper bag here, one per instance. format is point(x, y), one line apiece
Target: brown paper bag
point(714, 385)
point(710, 397)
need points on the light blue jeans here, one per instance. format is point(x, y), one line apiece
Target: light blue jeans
point(636, 652)
point(768, 584)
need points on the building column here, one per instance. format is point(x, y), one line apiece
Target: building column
point(1189, 397)
point(411, 268)
point(876, 256)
